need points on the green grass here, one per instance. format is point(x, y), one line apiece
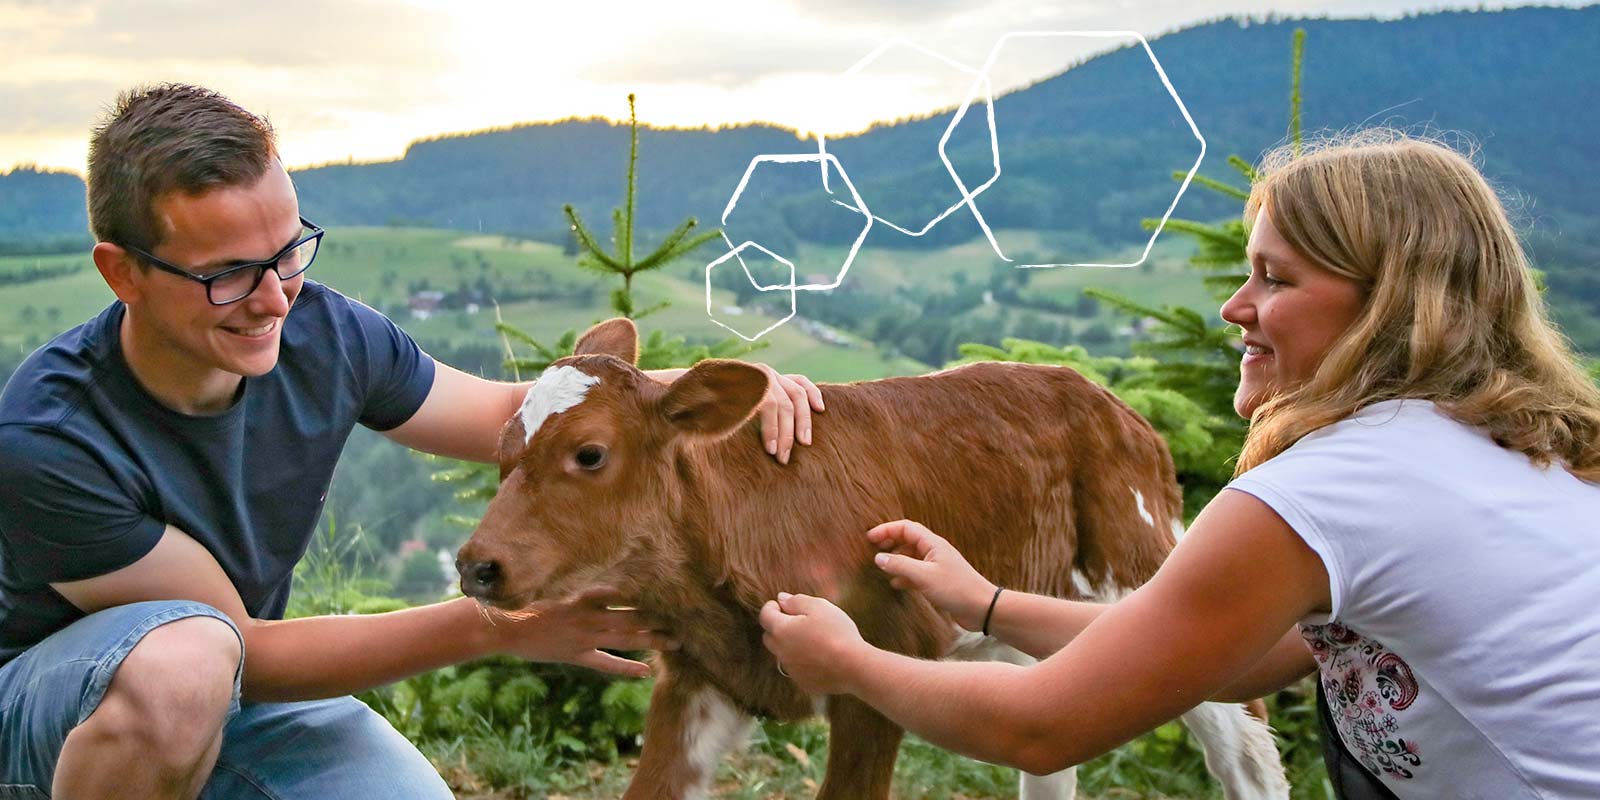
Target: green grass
point(788, 761)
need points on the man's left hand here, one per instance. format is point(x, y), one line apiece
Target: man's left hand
point(786, 412)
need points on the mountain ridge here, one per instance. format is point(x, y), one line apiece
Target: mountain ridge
point(1078, 153)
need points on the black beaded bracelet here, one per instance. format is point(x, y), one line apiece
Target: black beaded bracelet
point(990, 613)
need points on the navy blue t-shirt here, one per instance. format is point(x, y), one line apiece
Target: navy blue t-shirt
point(93, 468)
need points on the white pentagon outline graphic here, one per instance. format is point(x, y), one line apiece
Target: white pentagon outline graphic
point(988, 65)
point(980, 77)
point(734, 253)
point(860, 207)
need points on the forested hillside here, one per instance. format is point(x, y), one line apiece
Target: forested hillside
point(1521, 82)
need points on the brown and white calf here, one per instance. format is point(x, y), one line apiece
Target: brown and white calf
point(1045, 481)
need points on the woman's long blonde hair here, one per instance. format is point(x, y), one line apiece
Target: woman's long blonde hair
point(1452, 314)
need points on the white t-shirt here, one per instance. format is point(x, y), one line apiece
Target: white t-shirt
point(1462, 656)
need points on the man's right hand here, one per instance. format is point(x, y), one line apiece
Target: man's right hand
point(917, 558)
point(573, 630)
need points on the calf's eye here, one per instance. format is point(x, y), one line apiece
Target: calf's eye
point(591, 456)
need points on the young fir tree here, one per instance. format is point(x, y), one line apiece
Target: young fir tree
point(593, 257)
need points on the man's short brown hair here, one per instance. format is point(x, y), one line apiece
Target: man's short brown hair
point(166, 138)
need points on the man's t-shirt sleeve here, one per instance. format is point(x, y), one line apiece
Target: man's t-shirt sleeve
point(63, 517)
point(398, 373)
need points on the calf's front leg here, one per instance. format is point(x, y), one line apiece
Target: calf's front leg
point(862, 747)
point(689, 727)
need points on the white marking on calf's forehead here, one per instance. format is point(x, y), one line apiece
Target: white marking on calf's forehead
point(558, 389)
point(1139, 498)
point(1177, 529)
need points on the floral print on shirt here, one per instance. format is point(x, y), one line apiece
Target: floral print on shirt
point(1368, 690)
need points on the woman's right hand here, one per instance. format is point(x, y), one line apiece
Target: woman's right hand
point(917, 558)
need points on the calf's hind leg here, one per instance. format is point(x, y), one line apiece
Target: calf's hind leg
point(862, 747)
point(1239, 751)
point(689, 728)
point(969, 646)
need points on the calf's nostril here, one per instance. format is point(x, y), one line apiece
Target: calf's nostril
point(479, 578)
point(486, 573)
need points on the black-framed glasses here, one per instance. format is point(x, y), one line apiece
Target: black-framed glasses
point(234, 283)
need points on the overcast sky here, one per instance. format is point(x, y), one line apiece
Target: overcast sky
point(362, 78)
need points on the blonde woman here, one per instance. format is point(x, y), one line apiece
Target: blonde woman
point(1416, 515)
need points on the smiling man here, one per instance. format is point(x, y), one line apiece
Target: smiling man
point(163, 466)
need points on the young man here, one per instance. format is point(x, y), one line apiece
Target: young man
point(163, 467)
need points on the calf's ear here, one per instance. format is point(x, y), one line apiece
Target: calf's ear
point(513, 441)
point(715, 397)
point(614, 337)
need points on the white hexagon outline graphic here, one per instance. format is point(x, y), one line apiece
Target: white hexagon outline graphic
point(734, 253)
point(980, 78)
point(860, 207)
point(988, 65)
point(968, 197)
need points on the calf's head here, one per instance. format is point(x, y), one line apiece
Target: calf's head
point(588, 490)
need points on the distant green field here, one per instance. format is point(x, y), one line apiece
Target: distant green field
point(30, 313)
point(365, 255)
point(381, 266)
point(1165, 278)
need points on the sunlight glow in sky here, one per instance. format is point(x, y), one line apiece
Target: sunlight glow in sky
point(361, 79)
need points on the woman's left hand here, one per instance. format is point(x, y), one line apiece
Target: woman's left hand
point(813, 640)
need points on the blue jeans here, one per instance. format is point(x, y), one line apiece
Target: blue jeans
point(283, 751)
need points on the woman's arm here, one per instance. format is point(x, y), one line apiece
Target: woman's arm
point(1039, 625)
point(1288, 661)
point(919, 559)
point(1239, 579)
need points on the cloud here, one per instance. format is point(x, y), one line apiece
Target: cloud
point(287, 34)
point(730, 57)
point(54, 108)
point(887, 12)
point(63, 62)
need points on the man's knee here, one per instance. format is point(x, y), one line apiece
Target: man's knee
point(172, 692)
